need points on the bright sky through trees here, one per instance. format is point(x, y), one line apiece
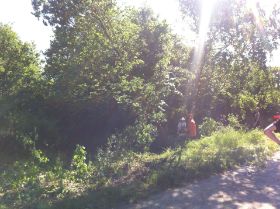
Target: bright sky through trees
point(18, 14)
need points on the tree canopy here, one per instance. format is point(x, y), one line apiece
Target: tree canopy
point(240, 37)
point(122, 74)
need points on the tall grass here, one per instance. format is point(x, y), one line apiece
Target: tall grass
point(112, 178)
point(226, 149)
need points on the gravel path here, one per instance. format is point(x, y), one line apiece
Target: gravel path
point(244, 188)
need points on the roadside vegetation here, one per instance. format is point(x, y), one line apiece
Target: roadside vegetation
point(94, 125)
point(113, 178)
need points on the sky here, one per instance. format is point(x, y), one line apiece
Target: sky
point(17, 13)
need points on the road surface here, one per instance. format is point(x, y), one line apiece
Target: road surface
point(244, 188)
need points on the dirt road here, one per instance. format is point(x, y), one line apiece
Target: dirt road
point(244, 188)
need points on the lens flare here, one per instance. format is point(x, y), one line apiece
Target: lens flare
point(252, 7)
point(207, 7)
point(206, 12)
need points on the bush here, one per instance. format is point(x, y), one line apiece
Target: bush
point(234, 122)
point(137, 138)
point(226, 149)
point(209, 126)
point(125, 176)
point(78, 164)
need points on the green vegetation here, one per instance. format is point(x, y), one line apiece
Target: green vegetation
point(81, 130)
point(116, 177)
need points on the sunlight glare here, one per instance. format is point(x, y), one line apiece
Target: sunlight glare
point(252, 6)
point(206, 13)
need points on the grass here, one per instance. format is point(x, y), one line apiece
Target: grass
point(109, 181)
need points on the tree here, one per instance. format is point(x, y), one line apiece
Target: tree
point(20, 81)
point(110, 68)
point(276, 76)
point(238, 42)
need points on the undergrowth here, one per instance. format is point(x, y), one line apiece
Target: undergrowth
point(114, 178)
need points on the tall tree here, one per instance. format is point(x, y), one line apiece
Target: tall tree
point(110, 68)
point(20, 81)
point(239, 38)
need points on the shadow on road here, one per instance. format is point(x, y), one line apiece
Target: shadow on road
point(243, 188)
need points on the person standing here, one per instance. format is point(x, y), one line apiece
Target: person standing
point(191, 129)
point(181, 128)
point(273, 128)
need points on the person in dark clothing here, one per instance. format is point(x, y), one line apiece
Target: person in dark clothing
point(271, 129)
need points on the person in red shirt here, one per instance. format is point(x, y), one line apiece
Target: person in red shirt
point(191, 129)
point(273, 128)
point(276, 116)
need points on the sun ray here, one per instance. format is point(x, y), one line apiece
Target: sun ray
point(206, 12)
point(207, 7)
point(252, 6)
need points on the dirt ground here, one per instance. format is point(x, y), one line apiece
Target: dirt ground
point(244, 188)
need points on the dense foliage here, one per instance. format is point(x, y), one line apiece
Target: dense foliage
point(233, 74)
point(79, 129)
point(108, 181)
point(122, 73)
point(21, 88)
point(111, 69)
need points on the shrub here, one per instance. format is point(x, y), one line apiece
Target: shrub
point(137, 137)
point(234, 122)
point(78, 164)
point(125, 176)
point(209, 126)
